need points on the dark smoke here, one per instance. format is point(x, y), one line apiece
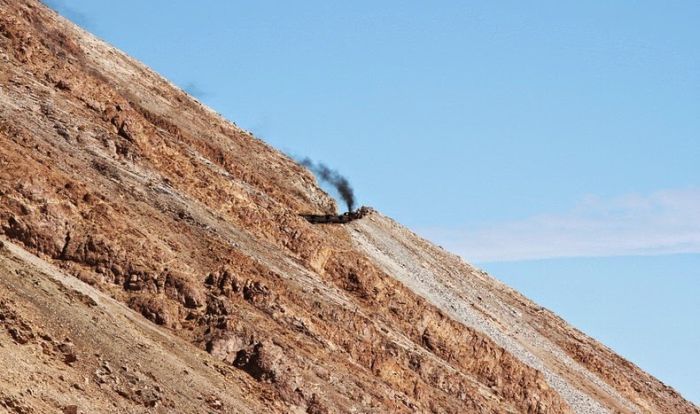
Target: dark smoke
point(333, 178)
point(195, 90)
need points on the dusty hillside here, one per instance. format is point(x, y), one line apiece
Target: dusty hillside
point(66, 344)
point(150, 201)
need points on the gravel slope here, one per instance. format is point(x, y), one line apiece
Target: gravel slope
point(480, 301)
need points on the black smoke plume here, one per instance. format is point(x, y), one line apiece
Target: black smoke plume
point(333, 178)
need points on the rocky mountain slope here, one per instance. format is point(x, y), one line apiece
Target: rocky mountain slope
point(154, 260)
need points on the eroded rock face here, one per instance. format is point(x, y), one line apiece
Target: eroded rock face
point(111, 173)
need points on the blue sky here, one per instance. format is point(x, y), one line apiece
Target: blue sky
point(556, 146)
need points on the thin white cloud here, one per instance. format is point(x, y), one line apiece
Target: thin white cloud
point(663, 222)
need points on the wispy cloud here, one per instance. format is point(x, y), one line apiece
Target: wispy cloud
point(663, 222)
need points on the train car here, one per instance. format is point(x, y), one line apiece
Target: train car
point(346, 217)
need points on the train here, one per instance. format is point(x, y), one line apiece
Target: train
point(346, 217)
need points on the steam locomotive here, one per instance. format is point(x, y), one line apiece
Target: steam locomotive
point(346, 217)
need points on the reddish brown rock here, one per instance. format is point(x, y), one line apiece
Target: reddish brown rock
point(123, 181)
